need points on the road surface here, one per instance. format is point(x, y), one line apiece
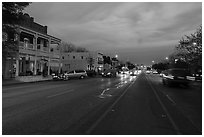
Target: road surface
point(132, 105)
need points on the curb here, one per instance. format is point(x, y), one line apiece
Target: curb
point(19, 83)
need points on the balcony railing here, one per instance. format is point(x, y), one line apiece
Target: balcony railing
point(45, 48)
point(21, 44)
point(26, 45)
point(30, 46)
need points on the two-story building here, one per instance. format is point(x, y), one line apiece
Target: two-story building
point(82, 60)
point(39, 53)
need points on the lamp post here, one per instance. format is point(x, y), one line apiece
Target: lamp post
point(166, 58)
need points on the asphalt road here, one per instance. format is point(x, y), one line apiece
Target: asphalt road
point(123, 105)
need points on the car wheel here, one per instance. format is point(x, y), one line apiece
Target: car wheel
point(81, 77)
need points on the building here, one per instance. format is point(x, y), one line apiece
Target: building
point(97, 63)
point(74, 60)
point(39, 53)
point(82, 60)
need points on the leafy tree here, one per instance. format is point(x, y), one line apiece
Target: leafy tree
point(130, 65)
point(189, 50)
point(70, 47)
point(11, 15)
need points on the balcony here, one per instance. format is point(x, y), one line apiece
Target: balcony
point(45, 49)
point(26, 45)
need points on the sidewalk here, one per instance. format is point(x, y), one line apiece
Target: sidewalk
point(10, 82)
point(25, 79)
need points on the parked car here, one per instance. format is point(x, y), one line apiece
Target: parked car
point(59, 76)
point(176, 76)
point(91, 73)
point(76, 74)
point(109, 73)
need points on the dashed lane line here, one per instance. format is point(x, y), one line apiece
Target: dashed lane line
point(108, 110)
point(164, 108)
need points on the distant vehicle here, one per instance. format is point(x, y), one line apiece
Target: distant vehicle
point(125, 70)
point(76, 74)
point(148, 71)
point(109, 73)
point(161, 74)
point(59, 76)
point(154, 72)
point(135, 72)
point(176, 76)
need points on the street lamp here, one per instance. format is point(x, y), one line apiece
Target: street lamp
point(116, 56)
point(166, 58)
point(152, 61)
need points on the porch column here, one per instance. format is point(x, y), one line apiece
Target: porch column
point(17, 67)
point(35, 66)
point(35, 47)
point(49, 66)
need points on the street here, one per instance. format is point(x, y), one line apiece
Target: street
point(132, 105)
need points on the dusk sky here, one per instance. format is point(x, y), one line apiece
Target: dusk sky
point(138, 32)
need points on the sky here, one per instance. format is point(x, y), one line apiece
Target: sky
point(139, 32)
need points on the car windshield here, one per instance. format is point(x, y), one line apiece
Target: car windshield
point(79, 71)
point(71, 72)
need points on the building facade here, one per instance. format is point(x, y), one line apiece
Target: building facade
point(74, 60)
point(39, 53)
point(82, 60)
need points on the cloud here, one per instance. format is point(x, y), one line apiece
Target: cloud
point(119, 25)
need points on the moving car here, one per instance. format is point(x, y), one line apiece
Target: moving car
point(148, 71)
point(109, 73)
point(176, 76)
point(76, 74)
point(154, 72)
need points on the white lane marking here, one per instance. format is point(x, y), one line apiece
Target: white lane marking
point(108, 110)
point(164, 108)
point(171, 99)
point(59, 93)
point(105, 91)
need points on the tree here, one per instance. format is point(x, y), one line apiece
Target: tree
point(130, 65)
point(189, 49)
point(70, 47)
point(11, 15)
